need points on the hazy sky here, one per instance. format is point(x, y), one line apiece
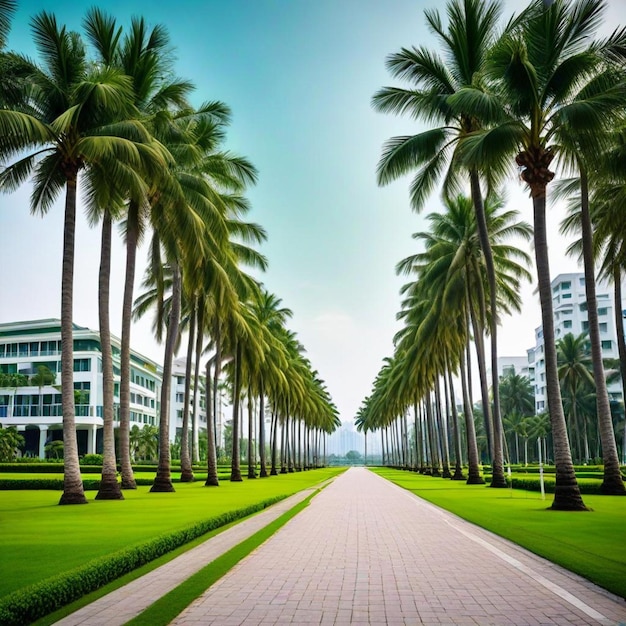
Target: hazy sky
point(299, 76)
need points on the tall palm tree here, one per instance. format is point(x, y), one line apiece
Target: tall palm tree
point(471, 30)
point(542, 74)
point(574, 367)
point(143, 55)
point(271, 317)
point(78, 115)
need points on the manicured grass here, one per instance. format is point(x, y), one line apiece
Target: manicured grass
point(588, 543)
point(164, 610)
point(40, 539)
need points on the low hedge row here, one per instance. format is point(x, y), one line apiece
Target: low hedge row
point(44, 468)
point(32, 603)
point(8, 484)
point(590, 486)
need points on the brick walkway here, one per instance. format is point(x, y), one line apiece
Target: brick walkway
point(368, 552)
point(125, 603)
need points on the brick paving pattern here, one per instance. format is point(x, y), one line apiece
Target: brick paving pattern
point(368, 552)
point(125, 603)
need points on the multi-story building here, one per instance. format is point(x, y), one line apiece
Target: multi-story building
point(570, 316)
point(34, 406)
point(177, 400)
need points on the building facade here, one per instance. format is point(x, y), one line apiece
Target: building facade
point(30, 397)
point(569, 302)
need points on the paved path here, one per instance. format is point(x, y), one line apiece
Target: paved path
point(368, 552)
point(125, 603)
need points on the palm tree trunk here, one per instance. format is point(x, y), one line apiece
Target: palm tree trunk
point(163, 479)
point(274, 451)
point(612, 483)
point(619, 324)
point(186, 473)
point(235, 467)
point(482, 376)
point(284, 444)
point(497, 463)
point(109, 487)
point(443, 434)
point(566, 493)
point(211, 479)
point(128, 478)
point(73, 492)
point(263, 468)
point(251, 455)
point(432, 437)
point(195, 451)
point(473, 472)
point(458, 465)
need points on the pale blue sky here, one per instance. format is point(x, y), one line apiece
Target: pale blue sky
point(299, 76)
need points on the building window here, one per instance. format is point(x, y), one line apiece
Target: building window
point(566, 296)
point(567, 323)
point(585, 326)
point(607, 345)
point(566, 285)
point(583, 306)
point(82, 365)
point(603, 311)
point(603, 327)
point(180, 397)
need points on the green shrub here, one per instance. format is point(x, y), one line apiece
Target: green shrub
point(587, 485)
point(92, 459)
point(32, 603)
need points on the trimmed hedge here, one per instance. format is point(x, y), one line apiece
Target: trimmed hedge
point(45, 468)
point(32, 603)
point(8, 484)
point(590, 486)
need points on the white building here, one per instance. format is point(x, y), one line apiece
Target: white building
point(570, 316)
point(513, 365)
point(36, 411)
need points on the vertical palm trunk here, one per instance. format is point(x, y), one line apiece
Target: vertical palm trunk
point(109, 487)
point(619, 330)
point(274, 451)
point(235, 467)
point(498, 479)
point(612, 483)
point(473, 471)
point(195, 451)
point(263, 468)
point(128, 478)
point(211, 479)
point(73, 492)
point(432, 437)
point(417, 433)
point(163, 479)
point(566, 493)
point(458, 465)
point(186, 473)
point(251, 454)
point(216, 377)
point(443, 434)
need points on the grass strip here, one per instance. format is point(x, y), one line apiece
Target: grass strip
point(588, 543)
point(164, 610)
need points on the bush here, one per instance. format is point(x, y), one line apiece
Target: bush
point(92, 459)
point(32, 603)
point(589, 486)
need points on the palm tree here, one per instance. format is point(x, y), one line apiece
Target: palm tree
point(7, 9)
point(145, 58)
point(542, 74)
point(271, 317)
point(77, 116)
point(517, 400)
point(574, 361)
point(466, 42)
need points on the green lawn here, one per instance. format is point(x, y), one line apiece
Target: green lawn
point(40, 539)
point(589, 543)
